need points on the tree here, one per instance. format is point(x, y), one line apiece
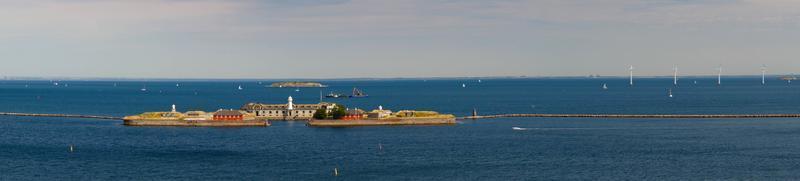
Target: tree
point(321, 114)
point(339, 111)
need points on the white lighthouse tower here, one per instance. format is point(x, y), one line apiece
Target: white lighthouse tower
point(291, 105)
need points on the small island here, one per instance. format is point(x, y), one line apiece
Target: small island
point(323, 114)
point(297, 84)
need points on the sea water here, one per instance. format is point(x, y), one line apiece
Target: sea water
point(545, 148)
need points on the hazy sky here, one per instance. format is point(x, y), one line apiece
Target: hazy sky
point(395, 38)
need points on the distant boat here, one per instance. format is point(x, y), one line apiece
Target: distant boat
point(55, 83)
point(605, 87)
point(335, 95)
point(669, 92)
point(177, 85)
point(518, 129)
point(144, 89)
point(788, 78)
point(297, 90)
point(358, 93)
point(240, 87)
point(463, 85)
point(479, 80)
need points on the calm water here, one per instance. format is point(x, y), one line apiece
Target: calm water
point(552, 148)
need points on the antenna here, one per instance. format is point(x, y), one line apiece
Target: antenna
point(719, 75)
point(631, 71)
point(763, 74)
point(675, 75)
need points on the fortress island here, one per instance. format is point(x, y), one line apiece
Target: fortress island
point(322, 114)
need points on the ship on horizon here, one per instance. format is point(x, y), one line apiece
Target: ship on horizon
point(357, 93)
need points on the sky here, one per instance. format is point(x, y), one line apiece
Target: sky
point(395, 38)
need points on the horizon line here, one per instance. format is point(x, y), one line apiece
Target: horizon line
point(78, 78)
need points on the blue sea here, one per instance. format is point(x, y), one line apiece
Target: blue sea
point(487, 149)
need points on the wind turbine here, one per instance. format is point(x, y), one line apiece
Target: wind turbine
point(630, 69)
point(675, 75)
point(719, 75)
point(763, 74)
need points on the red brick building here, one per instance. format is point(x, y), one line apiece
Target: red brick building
point(228, 115)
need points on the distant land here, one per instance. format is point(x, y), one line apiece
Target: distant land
point(354, 78)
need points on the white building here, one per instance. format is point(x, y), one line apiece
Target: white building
point(288, 111)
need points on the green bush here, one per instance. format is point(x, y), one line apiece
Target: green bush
point(339, 112)
point(321, 114)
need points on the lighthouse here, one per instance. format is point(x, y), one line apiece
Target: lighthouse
point(291, 105)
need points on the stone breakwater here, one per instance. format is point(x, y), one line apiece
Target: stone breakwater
point(60, 116)
point(447, 121)
point(640, 116)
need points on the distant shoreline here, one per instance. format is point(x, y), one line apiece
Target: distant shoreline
point(12, 78)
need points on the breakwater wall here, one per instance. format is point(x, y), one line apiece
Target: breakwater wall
point(60, 116)
point(640, 116)
point(619, 116)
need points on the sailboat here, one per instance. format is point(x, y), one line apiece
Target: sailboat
point(358, 93)
point(463, 85)
point(144, 88)
point(240, 87)
point(177, 85)
point(605, 87)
